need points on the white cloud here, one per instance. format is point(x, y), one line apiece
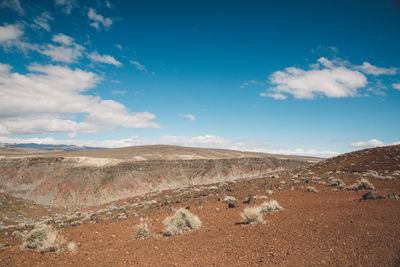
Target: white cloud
point(12, 4)
point(43, 21)
point(138, 65)
point(371, 69)
point(189, 116)
point(63, 53)
point(325, 62)
point(252, 82)
point(66, 5)
point(304, 152)
point(396, 86)
point(118, 92)
point(119, 46)
point(371, 143)
point(97, 20)
point(277, 96)
point(331, 80)
point(63, 39)
point(205, 141)
point(67, 51)
point(104, 59)
point(11, 36)
point(9, 33)
point(44, 99)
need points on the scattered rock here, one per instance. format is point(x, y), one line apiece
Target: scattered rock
point(232, 205)
point(372, 195)
point(251, 200)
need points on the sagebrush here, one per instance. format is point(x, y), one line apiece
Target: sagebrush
point(182, 221)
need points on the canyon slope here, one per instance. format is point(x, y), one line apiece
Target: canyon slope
point(73, 179)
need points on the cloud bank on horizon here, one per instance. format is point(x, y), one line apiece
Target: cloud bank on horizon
point(70, 73)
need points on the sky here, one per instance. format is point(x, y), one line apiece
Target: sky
point(316, 78)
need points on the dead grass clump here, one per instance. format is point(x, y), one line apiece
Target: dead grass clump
point(182, 221)
point(43, 238)
point(311, 189)
point(362, 184)
point(252, 215)
point(143, 229)
point(336, 182)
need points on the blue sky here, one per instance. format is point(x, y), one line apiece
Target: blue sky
point(292, 77)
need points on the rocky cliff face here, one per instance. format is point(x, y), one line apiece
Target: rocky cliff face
point(79, 182)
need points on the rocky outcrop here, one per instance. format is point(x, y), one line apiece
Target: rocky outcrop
point(80, 182)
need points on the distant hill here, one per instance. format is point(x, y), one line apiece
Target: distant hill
point(39, 148)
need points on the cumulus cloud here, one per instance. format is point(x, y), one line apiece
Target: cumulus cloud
point(43, 21)
point(189, 116)
point(335, 78)
point(11, 37)
point(330, 80)
point(396, 86)
point(12, 4)
point(204, 141)
point(371, 69)
point(138, 65)
point(107, 59)
point(44, 99)
point(66, 5)
point(9, 33)
point(66, 50)
point(97, 20)
point(371, 143)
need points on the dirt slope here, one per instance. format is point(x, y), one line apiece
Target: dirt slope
point(330, 228)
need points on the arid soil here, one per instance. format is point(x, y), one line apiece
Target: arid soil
point(333, 227)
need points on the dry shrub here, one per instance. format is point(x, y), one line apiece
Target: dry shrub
point(143, 229)
point(229, 199)
point(252, 215)
point(72, 246)
point(270, 206)
point(336, 182)
point(311, 189)
point(362, 184)
point(43, 238)
point(255, 214)
point(182, 221)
